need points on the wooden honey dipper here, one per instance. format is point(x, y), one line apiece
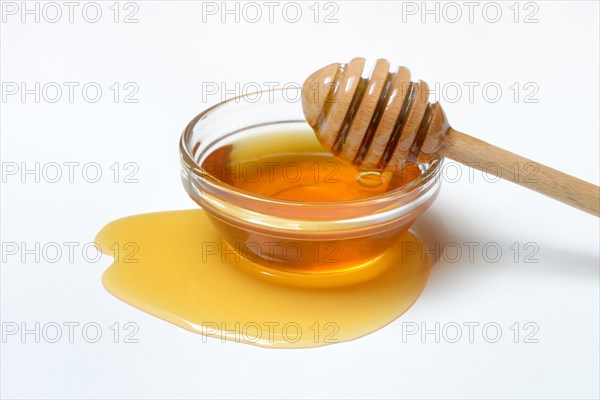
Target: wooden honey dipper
point(385, 122)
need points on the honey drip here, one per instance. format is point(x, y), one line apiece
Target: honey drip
point(172, 276)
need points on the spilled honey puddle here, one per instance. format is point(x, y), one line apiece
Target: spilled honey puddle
point(175, 266)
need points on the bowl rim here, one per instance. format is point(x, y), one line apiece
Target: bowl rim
point(192, 166)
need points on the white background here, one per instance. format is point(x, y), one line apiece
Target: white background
point(173, 54)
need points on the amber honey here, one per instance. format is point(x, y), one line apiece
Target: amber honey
point(303, 175)
point(293, 166)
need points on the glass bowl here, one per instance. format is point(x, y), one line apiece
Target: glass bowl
point(305, 243)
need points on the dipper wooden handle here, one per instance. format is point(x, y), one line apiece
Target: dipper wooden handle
point(385, 122)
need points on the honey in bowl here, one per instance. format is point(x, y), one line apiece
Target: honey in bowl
point(298, 169)
point(290, 248)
